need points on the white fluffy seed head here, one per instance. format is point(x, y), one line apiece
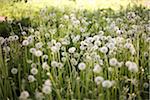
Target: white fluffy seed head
point(39, 95)
point(106, 84)
point(25, 43)
point(98, 80)
point(32, 50)
point(45, 66)
point(46, 89)
point(113, 62)
point(133, 67)
point(72, 50)
point(23, 33)
point(33, 65)
point(14, 70)
point(48, 82)
point(34, 71)
point(128, 63)
point(82, 66)
point(73, 61)
point(24, 95)
point(97, 68)
point(31, 78)
point(55, 49)
point(39, 45)
point(104, 49)
point(38, 53)
point(54, 64)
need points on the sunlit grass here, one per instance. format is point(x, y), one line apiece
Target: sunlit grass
point(18, 9)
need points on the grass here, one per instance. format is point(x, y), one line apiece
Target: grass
point(73, 53)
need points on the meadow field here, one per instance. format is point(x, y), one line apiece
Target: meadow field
point(75, 50)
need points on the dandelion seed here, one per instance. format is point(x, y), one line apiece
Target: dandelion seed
point(128, 63)
point(145, 85)
point(106, 84)
point(133, 67)
point(45, 57)
point(98, 80)
point(72, 50)
point(16, 37)
point(24, 95)
point(47, 82)
point(58, 44)
point(104, 49)
point(97, 68)
point(55, 49)
point(14, 71)
point(54, 64)
point(82, 66)
point(73, 61)
point(39, 45)
point(45, 66)
point(34, 71)
point(46, 89)
point(23, 33)
point(38, 53)
point(113, 62)
point(25, 43)
point(60, 65)
point(39, 95)
point(33, 65)
point(31, 78)
point(47, 35)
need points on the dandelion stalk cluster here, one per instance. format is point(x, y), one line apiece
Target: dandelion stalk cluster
point(101, 55)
